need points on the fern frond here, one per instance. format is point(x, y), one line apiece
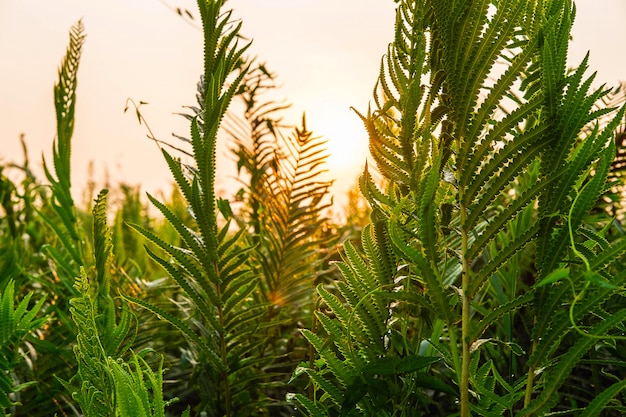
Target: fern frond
point(176, 168)
point(339, 369)
point(312, 407)
point(389, 163)
point(105, 384)
point(375, 242)
point(186, 273)
point(515, 156)
point(363, 313)
point(113, 334)
point(484, 182)
point(499, 312)
point(371, 192)
point(552, 245)
point(7, 312)
point(436, 291)
point(103, 241)
point(598, 404)
point(556, 375)
point(427, 215)
point(360, 287)
point(93, 392)
point(184, 328)
point(191, 238)
point(554, 52)
point(496, 94)
point(242, 292)
point(504, 254)
point(482, 151)
point(211, 265)
point(15, 324)
point(339, 310)
point(591, 191)
point(496, 38)
point(556, 323)
point(285, 202)
point(67, 243)
point(328, 387)
point(579, 163)
point(498, 221)
point(65, 101)
point(354, 353)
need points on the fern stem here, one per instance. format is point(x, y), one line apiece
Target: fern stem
point(465, 322)
point(530, 379)
point(223, 350)
point(465, 307)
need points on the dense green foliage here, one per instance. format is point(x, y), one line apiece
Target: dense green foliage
point(482, 252)
point(487, 278)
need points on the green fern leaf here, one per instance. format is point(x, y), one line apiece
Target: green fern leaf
point(329, 388)
point(436, 292)
point(556, 323)
point(498, 131)
point(312, 407)
point(364, 311)
point(599, 403)
point(194, 291)
point(189, 237)
point(184, 328)
point(64, 102)
point(498, 221)
point(348, 345)
point(516, 155)
point(427, 220)
point(7, 312)
point(338, 368)
point(338, 309)
point(15, 324)
point(556, 376)
point(499, 312)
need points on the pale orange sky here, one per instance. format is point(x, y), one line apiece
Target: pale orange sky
point(325, 52)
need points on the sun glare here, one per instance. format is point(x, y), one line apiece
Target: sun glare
point(347, 149)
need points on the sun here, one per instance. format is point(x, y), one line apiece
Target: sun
point(347, 146)
point(347, 142)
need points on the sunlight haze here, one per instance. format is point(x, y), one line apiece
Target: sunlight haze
point(326, 55)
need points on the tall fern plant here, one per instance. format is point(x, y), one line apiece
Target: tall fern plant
point(65, 223)
point(210, 267)
point(284, 196)
point(494, 156)
point(64, 247)
point(105, 383)
point(16, 324)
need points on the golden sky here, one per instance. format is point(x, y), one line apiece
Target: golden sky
point(325, 52)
